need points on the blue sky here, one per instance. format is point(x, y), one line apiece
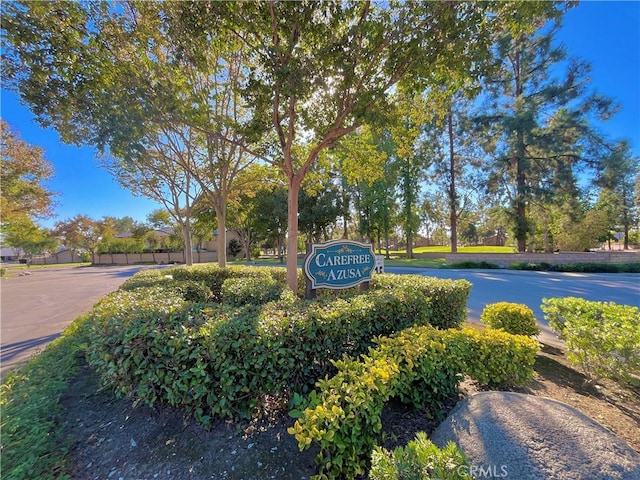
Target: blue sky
point(605, 34)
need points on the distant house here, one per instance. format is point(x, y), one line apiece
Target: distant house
point(10, 254)
point(162, 232)
point(493, 240)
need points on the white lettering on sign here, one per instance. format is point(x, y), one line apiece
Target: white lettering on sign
point(322, 260)
point(347, 274)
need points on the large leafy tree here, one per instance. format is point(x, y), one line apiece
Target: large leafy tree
point(321, 70)
point(79, 233)
point(23, 195)
point(315, 71)
point(131, 76)
point(163, 172)
point(319, 211)
point(456, 159)
point(539, 125)
point(412, 153)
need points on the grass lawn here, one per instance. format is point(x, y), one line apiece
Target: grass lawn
point(13, 269)
point(447, 249)
point(22, 266)
point(394, 261)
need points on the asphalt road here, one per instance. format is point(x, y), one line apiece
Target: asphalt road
point(529, 288)
point(36, 308)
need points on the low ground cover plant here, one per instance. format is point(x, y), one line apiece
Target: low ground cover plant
point(421, 366)
point(31, 444)
point(603, 338)
point(418, 460)
point(515, 318)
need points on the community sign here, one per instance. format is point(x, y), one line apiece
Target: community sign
point(339, 264)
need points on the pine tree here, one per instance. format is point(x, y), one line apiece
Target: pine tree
point(538, 125)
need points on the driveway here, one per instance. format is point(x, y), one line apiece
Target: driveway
point(529, 288)
point(37, 307)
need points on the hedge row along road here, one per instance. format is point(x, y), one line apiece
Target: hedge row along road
point(36, 308)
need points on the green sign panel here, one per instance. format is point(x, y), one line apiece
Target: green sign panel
point(339, 264)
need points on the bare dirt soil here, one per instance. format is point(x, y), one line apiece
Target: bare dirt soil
point(110, 439)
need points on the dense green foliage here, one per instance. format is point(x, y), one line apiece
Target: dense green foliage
point(602, 338)
point(448, 298)
point(421, 366)
point(157, 340)
point(515, 318)
point(252, 291)
point(419, 460)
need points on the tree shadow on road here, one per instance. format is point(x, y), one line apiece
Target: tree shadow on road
point(10, 351)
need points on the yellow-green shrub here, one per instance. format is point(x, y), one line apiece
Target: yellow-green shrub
point(419, 365)
point(515, 318)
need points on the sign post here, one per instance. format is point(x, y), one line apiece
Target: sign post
point(338, 264)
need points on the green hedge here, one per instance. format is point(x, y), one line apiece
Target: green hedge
point(578, 267)
point(472, 264)
point(421, 366)
point(448, 297)
point(221, 360)
point(603, 339)
point(251, 290)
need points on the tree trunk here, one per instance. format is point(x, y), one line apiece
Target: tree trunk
point(292, 238)
point(221, 217)
point(452, 189)
point(188, 248)
point(521, 204)
point(280, 248)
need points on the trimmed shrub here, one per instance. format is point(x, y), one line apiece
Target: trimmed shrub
point(542, 266)
point(210, 275)
point(248, 290)
point(147, 278)
point(448, 297)
point(195, 292)
point(420, 459)
point(602, 338)
point(515, 318)
point(597, 267)
point(493, 358)
point(421, 366)
point(217, 359)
